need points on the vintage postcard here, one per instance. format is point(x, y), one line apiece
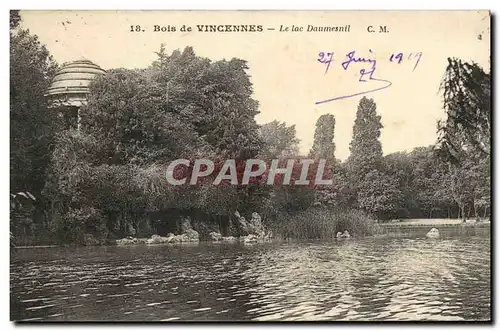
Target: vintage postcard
point(250, 166)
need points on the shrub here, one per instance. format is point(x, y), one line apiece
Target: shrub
point(321, 223)
point(77, 222)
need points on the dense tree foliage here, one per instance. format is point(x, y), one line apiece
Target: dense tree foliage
point(279, 140)
point(31, 70)
point(467, 101)
point(31, 125)
point(136, 122)
point(15, 19)
point(465, 135)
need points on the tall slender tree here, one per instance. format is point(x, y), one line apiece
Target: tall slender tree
point(323, 145)
point(365, 148)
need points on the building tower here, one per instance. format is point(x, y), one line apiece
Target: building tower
point(70, 88)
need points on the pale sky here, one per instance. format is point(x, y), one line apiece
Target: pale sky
point(287, 77)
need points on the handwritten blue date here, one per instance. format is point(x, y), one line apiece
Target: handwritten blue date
point(370, 66)
point(325, 58)
point(398, 58)
point(351, 58)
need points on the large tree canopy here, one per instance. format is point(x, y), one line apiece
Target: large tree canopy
point(137, 121)
point(467, 101)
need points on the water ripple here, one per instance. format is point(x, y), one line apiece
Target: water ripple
point(368, 280)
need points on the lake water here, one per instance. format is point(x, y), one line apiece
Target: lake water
point(366, 279)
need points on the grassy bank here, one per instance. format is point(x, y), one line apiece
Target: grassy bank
point(316, 223)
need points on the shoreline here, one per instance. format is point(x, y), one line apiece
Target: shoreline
point(388, 230)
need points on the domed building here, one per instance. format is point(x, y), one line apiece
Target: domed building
point(70, 88)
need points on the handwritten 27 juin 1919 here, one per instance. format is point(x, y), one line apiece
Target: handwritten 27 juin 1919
point(368, 72)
